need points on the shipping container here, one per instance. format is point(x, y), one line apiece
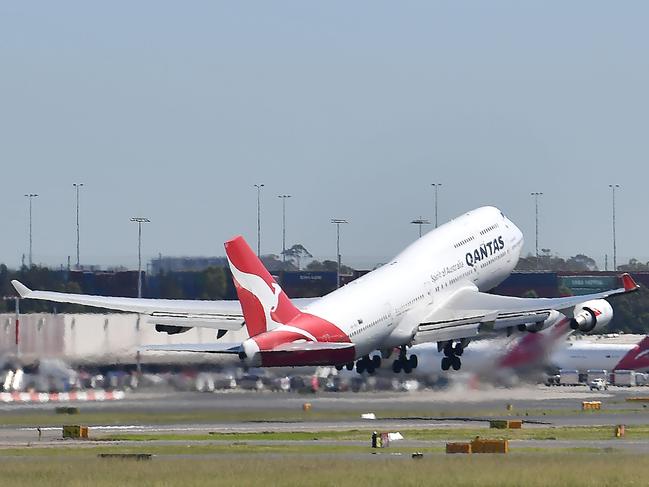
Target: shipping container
point(624, 378)
point(568, 377)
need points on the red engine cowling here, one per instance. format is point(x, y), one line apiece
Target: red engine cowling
point(591, 316)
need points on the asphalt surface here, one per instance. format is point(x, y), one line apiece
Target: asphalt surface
point(537, 406)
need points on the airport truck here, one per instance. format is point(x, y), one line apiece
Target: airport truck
point(593, 374)
point(624, 378)
point(568, 377)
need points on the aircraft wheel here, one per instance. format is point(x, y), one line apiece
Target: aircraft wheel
point(456, 363)
point(371, 369)
point(446, 363)
point(413, 361)
point(360, 366)
point(376, 361)
point(407, 368)
point(448, 350)
point(350, 366)
point(396, 366)
point(339, 367)
point(458, 350)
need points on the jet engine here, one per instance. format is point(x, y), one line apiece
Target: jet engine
point(591, 316)
point(552, 319)
point(172, 329)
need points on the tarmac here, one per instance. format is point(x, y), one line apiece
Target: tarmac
point(537, 406)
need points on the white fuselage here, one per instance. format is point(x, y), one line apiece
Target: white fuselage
point(383, 309)
point(589, 356)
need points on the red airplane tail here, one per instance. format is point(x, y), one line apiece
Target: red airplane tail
point(263, 302)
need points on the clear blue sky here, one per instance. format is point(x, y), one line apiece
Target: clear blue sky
point(173, 110)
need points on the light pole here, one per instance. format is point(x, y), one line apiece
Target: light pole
point(337, 222)
point(139, 220)
point(420, 221)
point(536, 204)
point(76, 187)
point(613, 187)
point(436, 186)
point(259, 186)
point(31, 196)
point(284, 197)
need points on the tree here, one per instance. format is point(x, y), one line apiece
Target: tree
point(549, 262)
point(296, 253)
point(581, 262)
point(634, 265)
point(328, 266)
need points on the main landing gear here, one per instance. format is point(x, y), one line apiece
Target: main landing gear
point(407, 364)
point(366, 364)
point(452, 354)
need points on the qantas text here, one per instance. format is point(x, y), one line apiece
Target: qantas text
point(485, 251)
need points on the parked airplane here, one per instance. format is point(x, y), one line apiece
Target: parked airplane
point(532, 353)
point(583, 356)
point(498, 358)
point(433, 291)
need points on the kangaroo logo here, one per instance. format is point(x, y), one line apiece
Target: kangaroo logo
point(266, 294)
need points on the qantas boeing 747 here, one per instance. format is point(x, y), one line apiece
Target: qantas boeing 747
point(433, 291)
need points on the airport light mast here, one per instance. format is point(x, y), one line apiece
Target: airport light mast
point(31, 196)
point(436, 186)
point(420, 221)
point(613, 187)
point(284, 197)
point(259, 186)
point(338, 222)
point(139, 220)
point(77, 186)
point(536, 205)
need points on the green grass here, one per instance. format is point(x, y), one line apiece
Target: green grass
point(49, 418)
point(534, 469)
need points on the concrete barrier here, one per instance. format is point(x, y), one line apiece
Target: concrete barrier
point(506, 424)
point(591, 405)
point(75, 431)
point(458, 448)
point(489, 446)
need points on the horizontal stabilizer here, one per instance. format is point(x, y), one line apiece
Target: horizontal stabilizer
point(311, 346)
point(233, 348)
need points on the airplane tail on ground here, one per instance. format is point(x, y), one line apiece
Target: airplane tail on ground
point(637, 358)
point(263, 302)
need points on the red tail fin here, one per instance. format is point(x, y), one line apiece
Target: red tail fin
point(628, 283)
point(263, 302)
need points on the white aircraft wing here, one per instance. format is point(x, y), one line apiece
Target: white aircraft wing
point(222, 315)
point(468, 311)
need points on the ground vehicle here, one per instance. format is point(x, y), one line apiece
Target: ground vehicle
point(568, 377)
point(598, 384)
point(624, 378)
point(592, 374)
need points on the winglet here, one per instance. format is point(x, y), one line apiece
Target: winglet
point(23, 290)
point(629, 283)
